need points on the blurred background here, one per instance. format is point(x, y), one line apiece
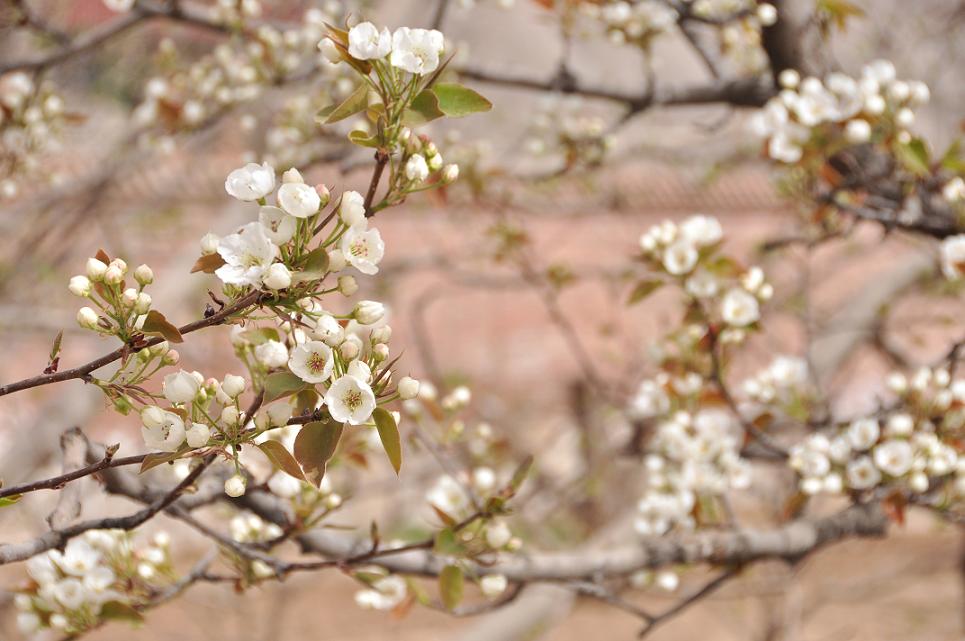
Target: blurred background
point(116, 179)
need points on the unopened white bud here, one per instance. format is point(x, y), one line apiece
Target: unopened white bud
point(450, 173)
point(347, 285)
point(235, 486)
point(230, 415)
point(381, 334)
point(198, 435)
point(113, 275)
point(380, 352)
point(96, 269)
point(408, 388)
point(209, 243)
point(292, 176)
point(277, 277)
point(143, 303)
point(368, 312)
point(233, 385)
point(336, 260)
point(349, 350)
point(79, 286)
point(144, 275)
point(87, 318)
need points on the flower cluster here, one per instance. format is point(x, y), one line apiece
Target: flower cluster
point(688, 254)
point(912, 446)
point(30, 118)
point(562, 128)
point(99, 575)
point(123, 309)
point(693, 457)
point(784, 385)
point(632, 22)
point(185, 97)
point(809, 115)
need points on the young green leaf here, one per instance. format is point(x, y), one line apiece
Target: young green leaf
point(10, 500)
point(314, 447)
point(423, 108)
point(117, 611)
point(450, 586)
point(352, 105)
point(281, 384)
point(643, 289)
point(281, 458)
point(156, 323)
point(158, 458)
point(457, 101)
point(389, 433)
point(314, 266)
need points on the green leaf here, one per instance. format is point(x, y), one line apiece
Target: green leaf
point(156, 323)
point(314, 266)
point(352, 105)
point(314, 447)
point(158, 458)
point(306, 400)
point(521, 473)
point(450, 586)
point(457, 101)
point(281, 458)
point(117, 611)
point(55, 348)
point(423, 108)
point(953, 159)
point(10, 500)
point(362, 139)
point(914, 156)
point(281, 384)
point(208, 263)
point(389, 433)
point(643, 289)
point(448, 544)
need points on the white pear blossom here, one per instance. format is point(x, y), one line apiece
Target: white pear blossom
point(366, 42)
point(251, 182)
point(279, 225)
point(416, 168)
point(408, 388)
point(299, 200)
point(312, 361)
point(417, 50)
point(284, 485)
point(180, 387)
point(247, 255)
point(862, 473)
point(350, 400)
point(738, 308)
point(863, 433)
point(680, 258)
point(161, 429)
point(272, 354)
point(351, 209)
point(363, 249)
point(701, 230)
point(894, 457)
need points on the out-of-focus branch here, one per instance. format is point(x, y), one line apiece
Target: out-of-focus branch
point(12, 552)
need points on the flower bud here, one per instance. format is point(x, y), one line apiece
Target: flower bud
point(349, 350)
point(347, 285)
point(230, 415)
point(172, 357)
point(435, 162)
point(143, 303)
point(292, 176)
point(336, 260)
point(113, 275)
point(497, 535)
point(87, 318)
point(408, 388)
point(450, 173)
point(277, 277)
point(380, 352)
point(324, 194)
point(352, 208)
point(368, 312)
point(492, 585)
point(79, 286)
point(95, 269)
point(129, 296)
point(198, 435)
point(233, 385)
point(330, 51)
point(381, 334)
point(235, 486)
point(209, 243)
point(144, 275)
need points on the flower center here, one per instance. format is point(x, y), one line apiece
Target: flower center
point(352, 399)
point(315, 362)
point(359, 249)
